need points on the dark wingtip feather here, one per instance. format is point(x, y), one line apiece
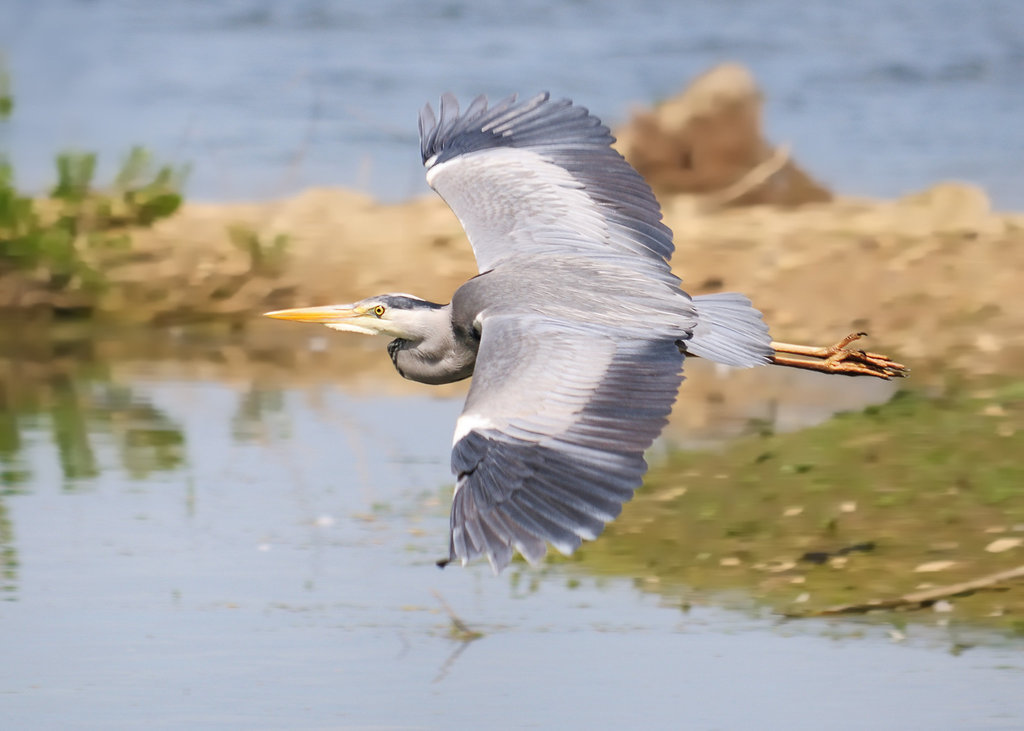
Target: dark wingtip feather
point(509, 123)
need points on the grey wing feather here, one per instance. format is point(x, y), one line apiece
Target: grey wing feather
point(551, 441)
point(730, 331)
point(539, 175)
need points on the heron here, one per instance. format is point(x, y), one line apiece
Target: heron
point(574, 332)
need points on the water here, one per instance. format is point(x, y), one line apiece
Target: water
point(196, 534)
point(878, 97)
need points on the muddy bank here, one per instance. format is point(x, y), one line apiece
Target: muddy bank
point(708, 141)
point(934, 276)
point(919, 495)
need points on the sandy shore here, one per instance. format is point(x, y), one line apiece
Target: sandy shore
point(934, 277)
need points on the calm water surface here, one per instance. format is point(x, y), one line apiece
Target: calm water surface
point(211, 542)
point(264, 98)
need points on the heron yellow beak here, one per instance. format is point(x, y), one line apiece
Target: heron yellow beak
point(322, 315)
point(347, 318)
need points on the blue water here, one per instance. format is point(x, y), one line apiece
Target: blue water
point(264, 98)
point(218, 553)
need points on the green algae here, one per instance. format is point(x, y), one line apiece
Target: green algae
point(918, 492)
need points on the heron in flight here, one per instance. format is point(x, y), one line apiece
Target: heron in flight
point(575, 330)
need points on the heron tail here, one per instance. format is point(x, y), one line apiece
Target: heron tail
point(729, 331)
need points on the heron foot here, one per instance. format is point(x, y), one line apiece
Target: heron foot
point(839, 358)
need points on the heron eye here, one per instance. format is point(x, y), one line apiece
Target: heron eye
point(379, 310)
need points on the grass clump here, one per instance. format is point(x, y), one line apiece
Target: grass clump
point(55, 239)
point(869, 505)
point(51, 238)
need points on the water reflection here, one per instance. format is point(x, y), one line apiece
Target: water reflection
point(203, 515)
point(259, 415)
point(8, 555)
point(74, 402)
point(81, 388)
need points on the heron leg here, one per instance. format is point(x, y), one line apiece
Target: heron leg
point(838, 358)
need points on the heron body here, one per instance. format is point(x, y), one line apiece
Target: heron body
point(575, 331)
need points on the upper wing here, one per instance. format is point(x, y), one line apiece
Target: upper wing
point(551, 440)
point(539, 175)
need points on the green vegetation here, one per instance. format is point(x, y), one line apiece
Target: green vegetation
point(267, 257)
point(56, 239)
point(6, 96)
point(868, 506)
point(53, 237)
point(69, 252)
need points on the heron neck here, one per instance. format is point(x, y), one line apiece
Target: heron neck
point(436, 353)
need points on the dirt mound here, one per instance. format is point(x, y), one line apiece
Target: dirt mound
point(934, 277)
point(708, 141)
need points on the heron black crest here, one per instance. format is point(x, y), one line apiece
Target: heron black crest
point(407, 302)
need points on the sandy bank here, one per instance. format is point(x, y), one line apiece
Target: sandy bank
point(935, 276)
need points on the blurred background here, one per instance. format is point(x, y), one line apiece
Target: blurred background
point(212, 520)
point(263, 99)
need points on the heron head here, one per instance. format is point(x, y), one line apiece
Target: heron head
point(395, 315)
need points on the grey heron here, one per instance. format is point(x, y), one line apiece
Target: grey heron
point(574, 331)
